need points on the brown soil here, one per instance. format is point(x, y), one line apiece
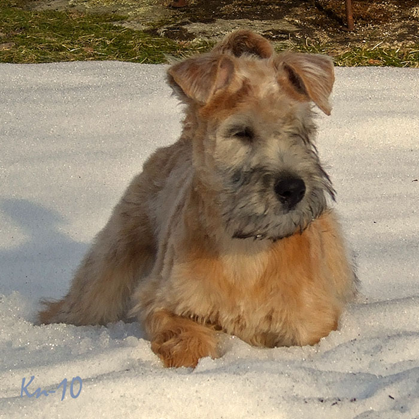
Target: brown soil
point(391, 23)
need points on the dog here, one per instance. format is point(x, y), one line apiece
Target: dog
point(229, 230)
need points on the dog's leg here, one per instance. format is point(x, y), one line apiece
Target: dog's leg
point(178, 341)
point(123, 253)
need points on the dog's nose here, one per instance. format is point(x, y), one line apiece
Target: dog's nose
point(290, 191)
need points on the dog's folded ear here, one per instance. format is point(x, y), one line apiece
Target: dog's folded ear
point(244, 42)
point(307, 77)
point(199, 78)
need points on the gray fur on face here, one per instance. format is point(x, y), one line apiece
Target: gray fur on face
point(260, 159)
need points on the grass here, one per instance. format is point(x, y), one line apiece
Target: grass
point(49, 36)
point(402, 57)
point(364, 57)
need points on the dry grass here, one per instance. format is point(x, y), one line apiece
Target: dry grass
point(48, 36)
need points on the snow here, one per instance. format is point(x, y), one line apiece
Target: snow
point(72, 135)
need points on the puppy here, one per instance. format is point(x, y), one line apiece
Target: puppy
point(228, 230)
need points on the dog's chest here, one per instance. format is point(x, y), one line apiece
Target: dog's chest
point(243, 293)
point(244, 268)
point(251, 307)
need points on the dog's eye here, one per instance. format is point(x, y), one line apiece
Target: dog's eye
point(245, 134)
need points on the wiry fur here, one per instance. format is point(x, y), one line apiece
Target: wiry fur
point(203, 240)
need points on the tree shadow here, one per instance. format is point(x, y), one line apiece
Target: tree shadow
point(42, 265)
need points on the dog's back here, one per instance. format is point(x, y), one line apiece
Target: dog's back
point(125, 251)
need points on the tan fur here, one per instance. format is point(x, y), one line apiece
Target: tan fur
point(203, 240)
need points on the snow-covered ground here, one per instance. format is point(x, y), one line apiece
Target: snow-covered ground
point(71, 137)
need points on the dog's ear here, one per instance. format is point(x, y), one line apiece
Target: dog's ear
point(307, 77)
point(201, 77)
point(244, 42)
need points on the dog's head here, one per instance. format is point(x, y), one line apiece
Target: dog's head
point(250, 116)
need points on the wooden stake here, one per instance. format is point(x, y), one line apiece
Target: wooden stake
point(349, 15)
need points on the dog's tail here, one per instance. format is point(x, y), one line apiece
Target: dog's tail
point(51, 311)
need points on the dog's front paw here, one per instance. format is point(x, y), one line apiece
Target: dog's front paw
point(184, 347)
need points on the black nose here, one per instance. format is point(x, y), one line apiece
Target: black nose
point(290, 191)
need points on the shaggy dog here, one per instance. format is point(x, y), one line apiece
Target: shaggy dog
point(228, 230)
